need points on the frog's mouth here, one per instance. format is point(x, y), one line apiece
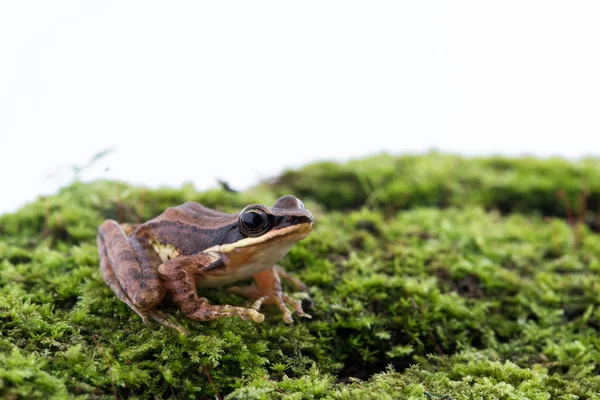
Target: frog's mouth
point(291, 233)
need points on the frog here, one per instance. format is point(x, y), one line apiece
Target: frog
point(190, 247)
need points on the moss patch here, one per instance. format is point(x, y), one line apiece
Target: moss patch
point(431, 277)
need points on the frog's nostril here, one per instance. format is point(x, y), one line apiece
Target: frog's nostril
point(307, 219)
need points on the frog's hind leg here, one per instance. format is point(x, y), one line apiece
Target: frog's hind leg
point(111, 280)
point(129, 268)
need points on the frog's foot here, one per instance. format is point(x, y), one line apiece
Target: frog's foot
point(268, 291)
point(277, 298)
point(207, 312)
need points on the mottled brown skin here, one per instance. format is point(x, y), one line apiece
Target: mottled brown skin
point(192, 246)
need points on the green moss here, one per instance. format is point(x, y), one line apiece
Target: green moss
point(419, 288)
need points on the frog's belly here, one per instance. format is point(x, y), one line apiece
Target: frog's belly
point(229, 277)
point(239, 267)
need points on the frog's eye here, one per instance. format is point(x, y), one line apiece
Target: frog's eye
point(254, 222)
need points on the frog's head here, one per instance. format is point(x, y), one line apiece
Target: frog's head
point(266, 234)
point(287, 217)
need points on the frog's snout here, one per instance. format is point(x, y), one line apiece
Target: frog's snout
point(304, 218)
point(311, 219)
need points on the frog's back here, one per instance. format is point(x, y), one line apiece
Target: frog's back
point(191, 228)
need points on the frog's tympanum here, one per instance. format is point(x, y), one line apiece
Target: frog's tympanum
point(191, 246)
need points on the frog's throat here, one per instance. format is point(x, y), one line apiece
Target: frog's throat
point(300, 230)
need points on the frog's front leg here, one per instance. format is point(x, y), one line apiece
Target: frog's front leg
point(268, 291)
point(178, 275)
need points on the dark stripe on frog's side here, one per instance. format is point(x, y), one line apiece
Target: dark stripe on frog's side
point(189, 239)
point(282, 221)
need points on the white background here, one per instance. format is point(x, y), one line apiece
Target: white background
point(193, 91)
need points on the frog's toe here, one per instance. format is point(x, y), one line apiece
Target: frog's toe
point(281, 301)
point(245, 313)
point(277, 300)
point(254, 315)
point(287, 315)
point(296, 305)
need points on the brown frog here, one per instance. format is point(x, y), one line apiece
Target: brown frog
point(192, 246)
